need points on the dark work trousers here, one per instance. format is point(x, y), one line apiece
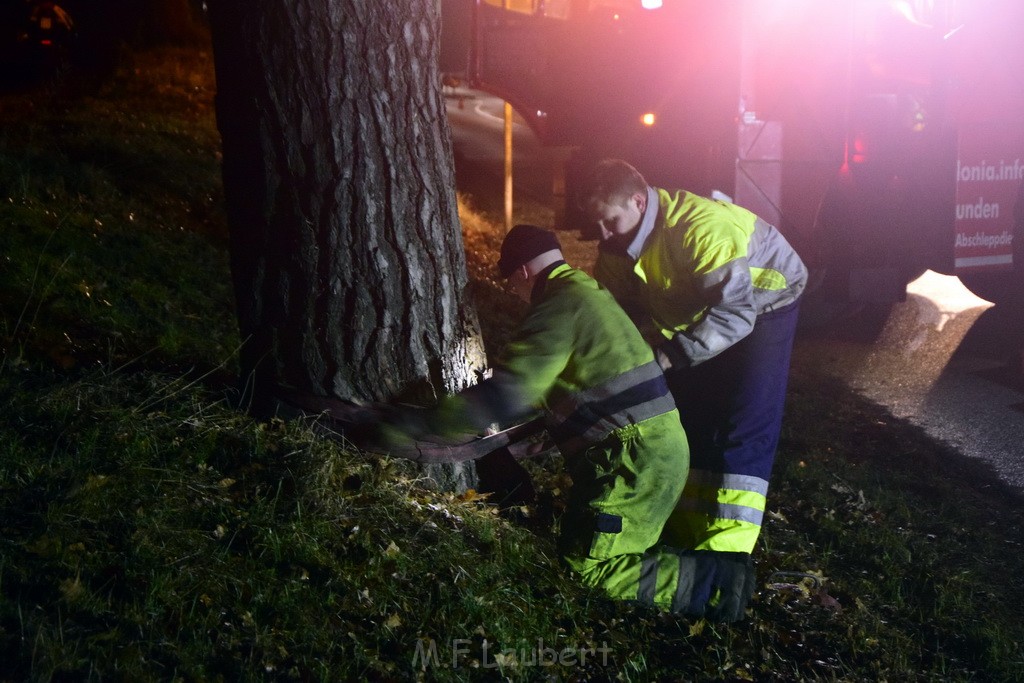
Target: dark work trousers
point(731, 408)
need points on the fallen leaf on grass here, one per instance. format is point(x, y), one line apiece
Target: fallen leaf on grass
point(827, 601)
point(71, 589)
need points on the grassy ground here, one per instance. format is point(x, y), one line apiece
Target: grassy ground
point(151, 532)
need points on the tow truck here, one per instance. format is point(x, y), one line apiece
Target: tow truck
point(883, 137)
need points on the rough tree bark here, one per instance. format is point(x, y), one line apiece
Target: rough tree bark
point(346, 249)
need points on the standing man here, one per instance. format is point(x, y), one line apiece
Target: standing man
point(609, 410)
point(715, 290)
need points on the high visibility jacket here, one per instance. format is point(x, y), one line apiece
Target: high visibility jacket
point(613, 417)
point(577, 355)
point(701, 271)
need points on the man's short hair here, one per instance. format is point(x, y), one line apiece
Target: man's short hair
point(610, 181)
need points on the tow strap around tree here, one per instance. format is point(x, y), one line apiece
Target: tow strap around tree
point(351, 422)
point(513, 438)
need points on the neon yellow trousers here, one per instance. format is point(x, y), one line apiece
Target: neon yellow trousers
point(625, 489)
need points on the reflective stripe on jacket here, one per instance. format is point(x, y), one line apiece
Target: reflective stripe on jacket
point(586, 417)
point(704, 273)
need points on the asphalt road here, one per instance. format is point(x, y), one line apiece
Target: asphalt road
point(944, 359)
point(941, 363)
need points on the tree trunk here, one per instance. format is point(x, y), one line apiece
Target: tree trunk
point(346, 248)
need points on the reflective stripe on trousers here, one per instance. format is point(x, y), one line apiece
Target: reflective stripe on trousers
point(731, 408)
point(663, 577)
point(718, 512)
point(737, 497)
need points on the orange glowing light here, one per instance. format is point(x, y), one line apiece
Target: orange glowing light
point(647, 119)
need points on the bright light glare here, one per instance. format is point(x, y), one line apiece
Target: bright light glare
point(903, 8)
point(919, 339)
point(947, 293)
point(650, 4)
point(647, 119)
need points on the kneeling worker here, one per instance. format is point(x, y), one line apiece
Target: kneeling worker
point(609, 409)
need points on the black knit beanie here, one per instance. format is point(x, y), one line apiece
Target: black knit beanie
point(522, 244)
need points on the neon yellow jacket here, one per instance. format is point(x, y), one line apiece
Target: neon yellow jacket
point(577, 355)
point(699, 272)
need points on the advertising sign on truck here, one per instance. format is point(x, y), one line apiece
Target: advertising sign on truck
point(989, 173)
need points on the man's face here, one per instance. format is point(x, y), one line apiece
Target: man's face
point(618, 221)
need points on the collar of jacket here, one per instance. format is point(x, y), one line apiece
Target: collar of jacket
point(542, 278)
point(647, 222)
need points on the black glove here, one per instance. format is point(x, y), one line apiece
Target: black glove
point(715, 585)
